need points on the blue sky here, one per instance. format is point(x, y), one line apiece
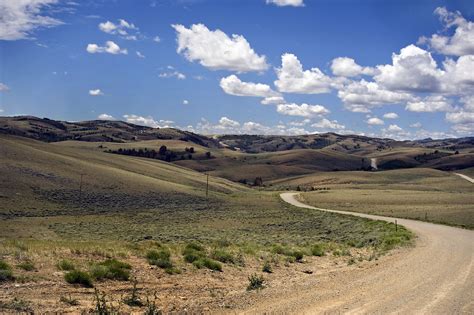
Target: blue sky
point(399, 69)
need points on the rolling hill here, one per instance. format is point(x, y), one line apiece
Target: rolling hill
point(243, 158)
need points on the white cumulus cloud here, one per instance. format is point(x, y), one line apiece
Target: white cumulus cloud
point(234, 86)
point(148, 121)
point(110, 48)
point(347, 67)
point(325, 123)
point(216, 50)
point(413, 69)
point(461, 42)
point(361, 96)
point(284, 3)
point(303, 110)
point(390, 115)
point(394, 128)
point(95, 92)
point(375, 121)
point(105, 117)
point(293, 79)
point(122, 28)
point(435, 103)
point(273, 100)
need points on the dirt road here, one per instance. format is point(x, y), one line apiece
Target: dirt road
point(435, 277)
point(465, 177)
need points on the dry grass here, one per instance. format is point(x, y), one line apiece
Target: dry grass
point(421, 194)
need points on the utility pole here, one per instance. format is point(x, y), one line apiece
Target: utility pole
point(207, 185)
point(80, 188)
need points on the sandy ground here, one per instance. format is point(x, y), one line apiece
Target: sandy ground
point(435, 277)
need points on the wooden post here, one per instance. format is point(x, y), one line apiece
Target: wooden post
point(396, 226)
point(207, 185)
point(80, 188)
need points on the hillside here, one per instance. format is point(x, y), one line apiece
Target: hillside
point(40, 179)
point(49, 130)
point(243, 158)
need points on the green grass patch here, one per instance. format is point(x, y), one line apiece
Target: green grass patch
point(79, 277)
point(111, 269)
point(318, 250)
point(223, 256)
point(208, 263)
point(66, 265)
point(6, 273)
point(27, 266)
point(193, 252)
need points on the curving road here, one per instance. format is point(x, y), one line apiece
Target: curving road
point(469, 179)
point(435, 277)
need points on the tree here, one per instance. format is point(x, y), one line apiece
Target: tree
point(163, 150)
point(191, 150)
point(208, 155)
point(457, 152)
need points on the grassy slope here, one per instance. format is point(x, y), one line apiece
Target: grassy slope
point(423, 194)
point(126, 201)
point(126, 198)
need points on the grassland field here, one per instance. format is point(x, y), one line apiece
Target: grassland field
point(124, 207)
point(421, 194)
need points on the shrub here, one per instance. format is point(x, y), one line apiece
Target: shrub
point(111, 269)
point(267, 267)
point(66, 265)
point(193, 252)
point(27, 266)
point(208, 263)
point(79, 277)
point(223, 256)
point(317, 250)
point(298, 255)
point(159, 258)
point(5, 271)
point(255, 282)
point(278, 249)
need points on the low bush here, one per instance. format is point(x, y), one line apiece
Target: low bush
point(66, 265)
point(5, 271)
point(207, 263)
point(79, 277)
point(317, 250)
point(267, 267)
point(255, 282)
point(27, 266)
point(193, 252)
point(160, 258)
point(298, 255)
point(111, 269)
point(223, 256)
